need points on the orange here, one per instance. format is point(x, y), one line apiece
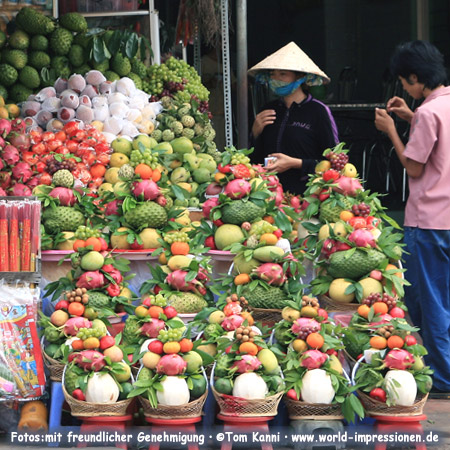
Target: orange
point(79, 243)
point(242, 278)
point(346, 215)
point(248, 317)
point(219, 176)
point(268, 239)
point(171, 347)
point(269, 219)
point(315, 340)
point(392, 267)
point(378, 342)
point(248, 347)
point(186, 345)
point(98, 170)
point(180, 248)
point(77, 345)
point(395, 342)
point(91, 343)
point(156, 175)
point(95, 242)
point(154, 311)
point(76, 309)
point(380, 308)
point(363, 311)
point(144, 171)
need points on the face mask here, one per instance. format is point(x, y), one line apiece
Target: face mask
point(283, 88)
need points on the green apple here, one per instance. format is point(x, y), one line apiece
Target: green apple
point(122, 145)
point(145, 140)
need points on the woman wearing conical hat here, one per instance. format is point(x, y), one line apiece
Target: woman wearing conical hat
point(295, 128)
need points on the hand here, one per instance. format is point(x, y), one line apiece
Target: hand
point(266, 117)
point(399, 107)
point(383, 121)
point(283, 163)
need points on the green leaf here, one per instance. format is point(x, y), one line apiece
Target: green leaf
point(132, 45)
point(98, 49)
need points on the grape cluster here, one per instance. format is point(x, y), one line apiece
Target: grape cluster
point(385, 331)
point(172, 334)
point(144, 157)
point(245, 334)
point(377, 297)
point(77, 295)
point(84, 333)
point(240, 158)
point(83, 232)
point(54, 165)
point(306, 331)
point(362, 210)
point(177, 236)
point(264, 227)
point(310, 301)
point(158, 300)
point(338, 160)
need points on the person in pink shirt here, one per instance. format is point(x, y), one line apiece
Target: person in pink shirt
point(426, 158)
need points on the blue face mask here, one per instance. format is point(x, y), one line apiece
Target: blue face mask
point(283, 88)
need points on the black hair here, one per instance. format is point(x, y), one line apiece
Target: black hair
point(421, 59)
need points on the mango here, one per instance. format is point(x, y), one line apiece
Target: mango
point(268, 360)
point(335, 364)
point(269, 253)
point(241, 265)
point(182, 145)
point(178, 262)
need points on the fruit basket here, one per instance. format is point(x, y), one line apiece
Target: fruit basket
point(267, 317)
point(333, 306)
point(237, 406)
point(299, 410)
point(55, 367)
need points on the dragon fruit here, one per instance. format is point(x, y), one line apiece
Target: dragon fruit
point(20, 140)
point(177, 280)
point(5, 180)
point(22, 171)
point(18, 125)
point(241, 171)
point(161, 200)
point(328, 247)
point(347, 186)
point(209, 205)
point(5, 127)
point(272, 273)
point(237, 189)
point(248, 363)
point(147, 188)
point(2, 193)
point(33, 182)
point(112, 208)
point(20, 189)
point(2, 142)
point(171, 365)
point(313, 359)
point(230, 323)
point(151, 329)
point(91, 280)
point(65, 195)
point(11, 155)
point(89, 360)
point(73, 325)
point(116, 275)
point(399, 359)
point(362, 238)
point(305, 324)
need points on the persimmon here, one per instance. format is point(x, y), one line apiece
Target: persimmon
point(186, 345)
point(144, 171)
point(91, 343)
point(248, 347)
point(154, 311)
point(98, 170)
point(395, 342)
point(180, 248)
point(79, 243)
point(363, 311)
point(380, 308)
point(77, 344)
point(95, 242)
point(156, 175)
point(242, 278)
point(269, 219)
point(76, 309)
point(378, 342)
point(315, 340)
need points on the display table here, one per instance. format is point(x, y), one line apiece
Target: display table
point(221, 262)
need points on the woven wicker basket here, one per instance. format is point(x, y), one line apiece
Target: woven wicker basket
point(334, 306)
point(376, 408)
point(268, 317)
point(299, 410)
point(191, 409)
point(55, 367)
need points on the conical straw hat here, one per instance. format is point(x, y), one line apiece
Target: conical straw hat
point(290, 57)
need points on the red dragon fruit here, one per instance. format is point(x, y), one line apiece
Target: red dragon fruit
point(248, 363)
point(11, 155)
point(5, 180)
point(328, 247)
point(209, 205)
point(230, 323)
point(147, 188)
point(241, 171)
point(151, 329)
point(237, 189)
point(272, 273)
point(171, 365)
point(18, 125)
point(116, 275)
point(5, 127)
point(112, 208)
point(20, 140)
point(22, 171)
point(20, 189)
point(91, 280)
point(161, 200)
point(2, 142)
point(305, 324)
point(2, 193)
point(65, 195)
point(399, 359)
point(347, 186)
point(74, 324)
point(362, 238)
point(90, 360)
point(177, 280)
point(33, 182)
point(313, 359)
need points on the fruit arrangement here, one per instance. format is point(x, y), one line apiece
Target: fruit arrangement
point(356, 245)
point(170, 373)
point(41, 49)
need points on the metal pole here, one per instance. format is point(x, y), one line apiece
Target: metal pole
point(226, 74)
point(154, 32)
point(242, 97)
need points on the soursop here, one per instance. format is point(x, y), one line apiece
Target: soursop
point(29, 77)
point(240, 211)
point(34, 22)
point(121, 64)
point(38, 60)
point(126, 172)
point(131, 333)
point(331, 209)
point(146, 215)
point(111, 76)
point(76, 55)
point(98, 300)
point(187, 302)
point(74, 22)
point(19, 93)
point(60, 41)
point(62, 218)
point(60, 64)
point(138, 67)
point(270, 298)
point(3, 92)
point(70, 380)
point(16, 58)
point(355, 264)
point(136, 80)
point(63, 178)
point(101, 66)
point(8, 75)
point(39, 42)
point(81, 39)
point(83, 69)
point(19, 40)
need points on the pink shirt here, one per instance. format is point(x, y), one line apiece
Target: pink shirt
point(428, 204)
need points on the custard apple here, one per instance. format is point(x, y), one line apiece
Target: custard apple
point(63, 178)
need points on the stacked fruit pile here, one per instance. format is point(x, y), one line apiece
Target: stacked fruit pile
point(170, 374)
point(356, 244)
point(42, 49)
